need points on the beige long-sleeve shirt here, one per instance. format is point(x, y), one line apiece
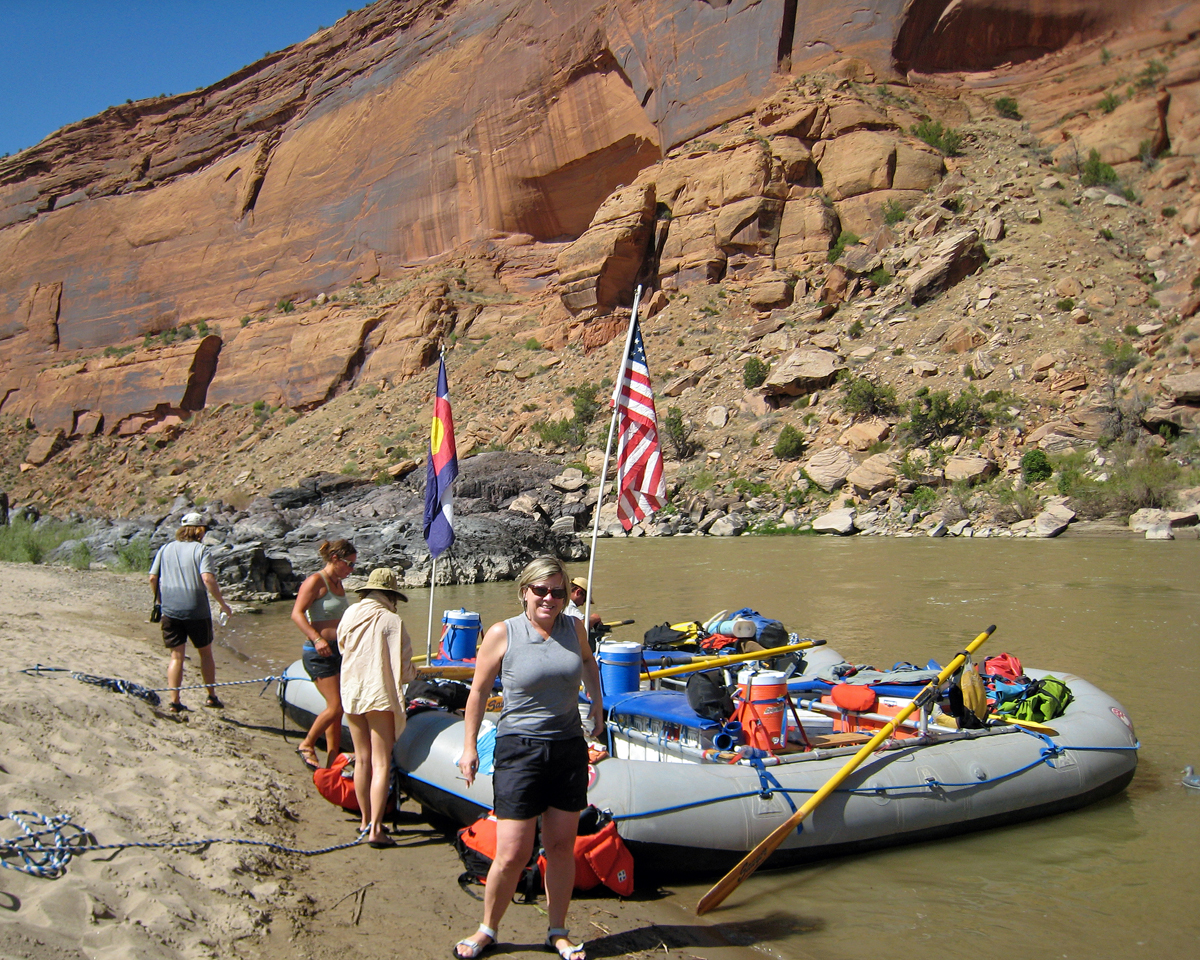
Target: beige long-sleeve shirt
point(376, 659)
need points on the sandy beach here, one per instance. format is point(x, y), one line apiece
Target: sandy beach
point(127, 772)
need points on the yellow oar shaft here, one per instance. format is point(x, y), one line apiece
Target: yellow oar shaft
point(755, 858)
point(710, 663)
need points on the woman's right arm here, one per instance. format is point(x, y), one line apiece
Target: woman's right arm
point(306, 596)
point(487, 666)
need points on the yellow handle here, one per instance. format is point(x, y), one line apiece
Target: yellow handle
point(710, 663)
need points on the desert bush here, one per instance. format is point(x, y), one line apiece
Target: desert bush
point(678, 433)
point(1022, 504)
point(754, 373)
point(1096, 173)
point(1007, 108)
point(1119, 358)
point(134, 557)
point(948, 141)
point(790, 445)
point(25, 542)
point(862, 397)
point(81, 556)
point(1109, 103)
point(1035, 466)
point(844, 240)
point(893, 213)
point(932, 415)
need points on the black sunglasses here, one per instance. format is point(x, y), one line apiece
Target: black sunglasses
point(540, 590)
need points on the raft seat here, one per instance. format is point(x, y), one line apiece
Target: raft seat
point(658, 725)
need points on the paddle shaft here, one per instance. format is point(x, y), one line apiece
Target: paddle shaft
point(711, 663)
point(755, 858)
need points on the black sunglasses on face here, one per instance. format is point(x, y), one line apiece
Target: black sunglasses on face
point(541, 591)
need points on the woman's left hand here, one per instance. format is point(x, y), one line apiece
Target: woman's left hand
point(596, 715)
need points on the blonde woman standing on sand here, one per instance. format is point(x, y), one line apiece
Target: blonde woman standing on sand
point(320, 604)
point(376, 663)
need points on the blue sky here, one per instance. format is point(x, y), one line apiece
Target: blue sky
point(63, 60)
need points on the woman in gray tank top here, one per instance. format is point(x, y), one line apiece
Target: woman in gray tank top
point(541, 759)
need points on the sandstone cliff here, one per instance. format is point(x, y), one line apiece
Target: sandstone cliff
point(420, 174)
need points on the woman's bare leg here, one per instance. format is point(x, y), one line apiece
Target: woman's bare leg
point(382, 724)
point(361, 735)
point(328, 721)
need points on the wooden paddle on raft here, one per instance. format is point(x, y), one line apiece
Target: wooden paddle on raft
point(710, 663)
point(754, 859)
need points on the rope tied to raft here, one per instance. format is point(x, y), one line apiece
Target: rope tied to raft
point(47, 844)
point(149, 694)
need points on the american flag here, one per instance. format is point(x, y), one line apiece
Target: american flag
point(639, 461)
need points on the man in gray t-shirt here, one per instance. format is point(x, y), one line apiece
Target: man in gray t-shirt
point(182, 576)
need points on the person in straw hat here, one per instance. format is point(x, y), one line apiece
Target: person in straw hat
point(376, 662)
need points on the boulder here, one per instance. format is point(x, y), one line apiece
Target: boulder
point(963, 338)
point(599, 268)
point(923, 368)
point(1147, 517)
point(957, 256)
point(730, 525)
point(1052, 521)
point(803, 371)
point(769, 293)
point(862, 436)
point(971, 469)
point(858, 163)
point(839, 521)
point(829, 468)
point(717, 416)
point(1122, 135)
point(806, 226)
point(44, 447)
point(1185, 388)
point(1159, 532)
point(866, 214)
point(917, 168)
point(873, 474)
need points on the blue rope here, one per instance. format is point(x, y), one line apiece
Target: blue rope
point(149, 694)
point(42, 857)
point(1045, 755)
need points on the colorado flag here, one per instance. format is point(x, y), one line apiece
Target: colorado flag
point(440, 470)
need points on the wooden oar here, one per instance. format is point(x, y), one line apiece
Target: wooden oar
point(754, 859)
point(710, 663)
point(447, 672)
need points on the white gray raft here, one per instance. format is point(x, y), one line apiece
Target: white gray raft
point(681, 814)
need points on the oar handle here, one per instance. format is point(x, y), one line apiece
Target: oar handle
point(712, 663)
point(755, 858)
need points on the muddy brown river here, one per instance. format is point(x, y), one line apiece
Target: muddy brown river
point(1118, 879)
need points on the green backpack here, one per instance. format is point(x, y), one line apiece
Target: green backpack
point(1043, 700)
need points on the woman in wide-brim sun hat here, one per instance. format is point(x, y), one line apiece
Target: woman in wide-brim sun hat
point(376, 662)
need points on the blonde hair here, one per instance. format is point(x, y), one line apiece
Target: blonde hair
point(336, 550)
point(540, 568)
point(193, 534)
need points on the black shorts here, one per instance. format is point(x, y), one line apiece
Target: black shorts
point(321, 668)
point(178, 632)
point(532, 775)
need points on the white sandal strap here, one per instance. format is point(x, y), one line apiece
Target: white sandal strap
point(486, 931)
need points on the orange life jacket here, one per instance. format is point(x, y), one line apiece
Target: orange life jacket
point(335, 788)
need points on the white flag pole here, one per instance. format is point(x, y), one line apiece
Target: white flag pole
point(612, 426)
point(429, 633)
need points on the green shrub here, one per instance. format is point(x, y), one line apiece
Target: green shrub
point(845, 239)
point(880, 277)
point(790, 445)
point(703, 480)
point(558, 433)
point(1110, 103)
point(855, 330)
point(532, 344)
point(932, 415)
point(1022, 504)
point(1106, 233)
point(1066, 304)
point(25, 542)
point(134, 557)
point(1035, 466)
point(1007, 108)
point(678, 433)
point(81, 556)
point(1154, 71)
point(948, 141)
point(1119, 358)
point(862, 397)
point(1096, 173)
point(1169, 212)
point(585, 404)
point(754, 373)
point(893, 213)
point(285, 306)
point(922, 498)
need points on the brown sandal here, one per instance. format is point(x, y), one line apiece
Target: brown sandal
point(309, 756)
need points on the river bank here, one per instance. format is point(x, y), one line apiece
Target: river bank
point(129, 772)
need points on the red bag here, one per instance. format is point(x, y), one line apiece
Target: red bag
point(1003, 665)
point(335, 788)
point(601, 858)
point(854, 696)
